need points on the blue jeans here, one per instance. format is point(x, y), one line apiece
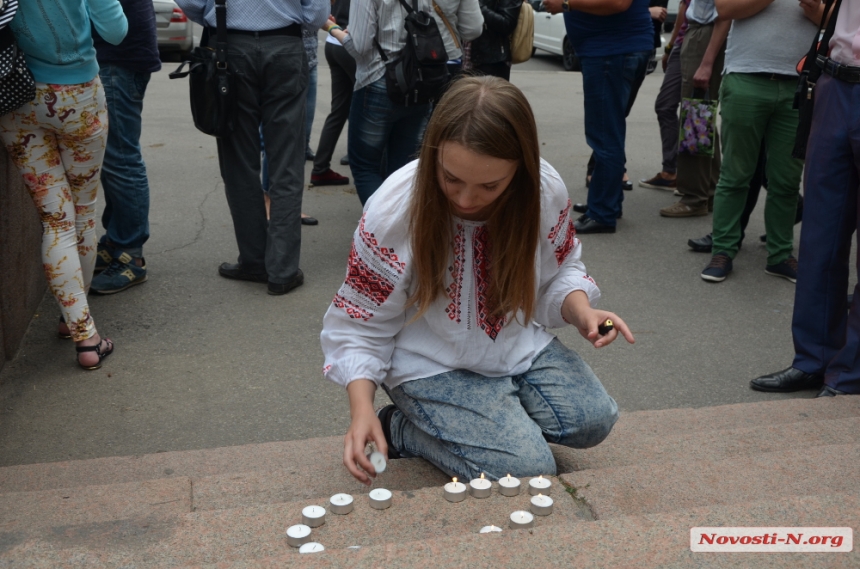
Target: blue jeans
point(123, 175)
point(466, 424)
point(383, 137)
point(606, 83)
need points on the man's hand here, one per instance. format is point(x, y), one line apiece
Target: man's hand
point(658, 13)
point(702, 78)
point(552, 6)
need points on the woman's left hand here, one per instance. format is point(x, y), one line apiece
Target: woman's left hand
point(578, 311)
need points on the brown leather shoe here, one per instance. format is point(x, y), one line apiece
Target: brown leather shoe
point(680, 209)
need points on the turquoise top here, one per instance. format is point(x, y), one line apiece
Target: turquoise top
point(56, 37)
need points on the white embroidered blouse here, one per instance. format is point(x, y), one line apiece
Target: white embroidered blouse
point(365, 332)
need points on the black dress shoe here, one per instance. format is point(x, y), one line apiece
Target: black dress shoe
point(583, 208)
point(235, 271)
point(787, 380)
point(276, 289)
point(828, 391)
point(586, 225)
point(702, 244)
point(310, 221)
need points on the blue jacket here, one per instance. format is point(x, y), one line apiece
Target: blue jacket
point(139, 50)
point(56, 39)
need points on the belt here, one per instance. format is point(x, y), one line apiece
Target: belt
point(294, 30)
point(836, 70)
point(775, 76)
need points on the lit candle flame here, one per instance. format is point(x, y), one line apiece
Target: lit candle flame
point(482, 475)
point(541, 476)
point(455, 480)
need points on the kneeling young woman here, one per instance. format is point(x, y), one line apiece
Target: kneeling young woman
point(461, 262)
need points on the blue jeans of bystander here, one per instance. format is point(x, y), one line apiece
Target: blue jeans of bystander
point(123, 176)
point(606, 84)
point(379, 128)
point(466, 424)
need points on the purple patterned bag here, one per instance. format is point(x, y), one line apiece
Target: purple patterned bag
point(698, 125)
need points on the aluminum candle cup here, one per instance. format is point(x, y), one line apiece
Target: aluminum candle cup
point(455, 491)
point(298, 535)
point(541, 505)
point(377, 460)
point(521, 520)
point(311, 547)
point(313, 516)
point(480, 487)
point(380, 499)
point(341, 504)
point(509, 486)
point(490, 529)
point(539, 485)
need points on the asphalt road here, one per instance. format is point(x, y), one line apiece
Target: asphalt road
point(205, 362)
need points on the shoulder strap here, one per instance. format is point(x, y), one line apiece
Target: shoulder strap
point(447, 25)
point(819, 47)
point(221, 33)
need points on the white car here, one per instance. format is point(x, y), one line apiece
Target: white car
point(173, 29)
point(551, 36)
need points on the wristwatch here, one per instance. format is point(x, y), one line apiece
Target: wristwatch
point(565, 5)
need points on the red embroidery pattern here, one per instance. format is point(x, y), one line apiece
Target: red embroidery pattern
point(353, 310)
point(455, 289)
point(326, 369)
point(563, 235)
point(366, 281)
point(492, 325)
point(384, 253)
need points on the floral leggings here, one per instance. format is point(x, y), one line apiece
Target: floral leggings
point(57, 141)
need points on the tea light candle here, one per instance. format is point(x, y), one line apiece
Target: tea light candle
point(311, 547)
point(541, 505)
point(509, 486)
point(455, 491)
point(380, 499)
point(480, 487)
point(522, 519)
point(377, 460)
point(341, 504)
point(539, 485)
point(298, 535)
point(490, 529)
point(313, 516)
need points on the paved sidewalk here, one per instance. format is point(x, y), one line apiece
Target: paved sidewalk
point(205, 362)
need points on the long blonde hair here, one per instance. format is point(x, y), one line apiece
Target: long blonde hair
point(488, 116)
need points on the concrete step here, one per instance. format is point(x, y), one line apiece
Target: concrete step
point(629, 448)
point(678, 486)
point(644, 542)
point(646, 428)
point(232, 535)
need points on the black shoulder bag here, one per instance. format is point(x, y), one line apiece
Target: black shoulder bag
point(810, 72)
point(211, 82)
point(419, 74)
point(17, 86)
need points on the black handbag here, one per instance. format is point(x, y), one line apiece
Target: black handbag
point(211, 82)
point(810, 72)
point(17, 86)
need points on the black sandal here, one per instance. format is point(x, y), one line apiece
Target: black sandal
point(97, 350)
point(60, 335)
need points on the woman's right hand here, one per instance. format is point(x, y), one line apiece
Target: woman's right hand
point(364, 428)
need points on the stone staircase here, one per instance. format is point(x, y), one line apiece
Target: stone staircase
point(629, 502)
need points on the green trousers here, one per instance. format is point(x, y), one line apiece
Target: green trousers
point(756, 108)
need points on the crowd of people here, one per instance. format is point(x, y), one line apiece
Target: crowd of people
point(454, 325)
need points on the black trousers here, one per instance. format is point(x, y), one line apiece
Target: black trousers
point(342, 68)
point(271, 85)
